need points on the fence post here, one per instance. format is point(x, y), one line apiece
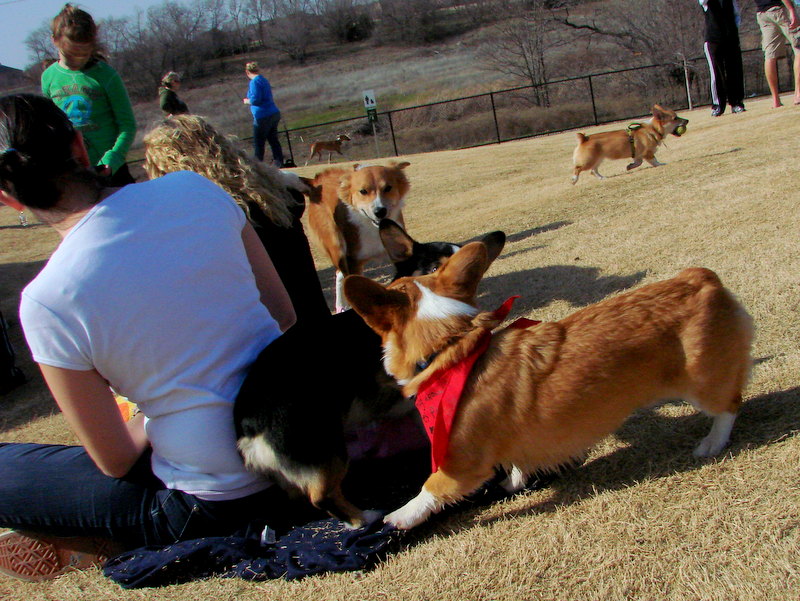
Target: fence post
point(494, 114)
point(289, 144)
point(594, 107)
point(686, 81)
point(391, 130)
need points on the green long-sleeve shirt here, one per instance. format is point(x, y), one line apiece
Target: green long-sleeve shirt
point(96, 102)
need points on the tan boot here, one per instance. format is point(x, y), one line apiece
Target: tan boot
point(34, 558)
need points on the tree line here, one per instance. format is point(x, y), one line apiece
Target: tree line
point(522, 36)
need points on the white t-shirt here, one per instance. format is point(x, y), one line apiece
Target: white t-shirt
point(153, 289)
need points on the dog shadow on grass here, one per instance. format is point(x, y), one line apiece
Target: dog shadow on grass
point(655, 446)
point(538, 287)
point(383, 273)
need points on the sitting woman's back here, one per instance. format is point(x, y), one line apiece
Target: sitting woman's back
point(189, 142)
point(161, 290)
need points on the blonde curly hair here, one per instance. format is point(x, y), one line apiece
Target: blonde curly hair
point(190, 143)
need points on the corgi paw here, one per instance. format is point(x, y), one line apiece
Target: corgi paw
point(718, 438)
point(709, 447)
point(400, 520)
point(367, 517)
point(515, 481)
point(413, 513)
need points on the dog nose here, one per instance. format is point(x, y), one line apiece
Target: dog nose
point(380, 212)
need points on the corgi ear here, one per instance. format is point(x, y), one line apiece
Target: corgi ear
point(460, 275)
point(378, 305)
point(401, 165)
point(494, 241)
point(398, 244)
point(314, 193)
point(658, 111)
point(344, 188)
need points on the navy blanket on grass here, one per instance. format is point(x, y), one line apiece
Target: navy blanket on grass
point(315, 547)
point(321, 546)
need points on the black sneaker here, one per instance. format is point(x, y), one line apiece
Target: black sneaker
point(716, 111)
point(739, 108)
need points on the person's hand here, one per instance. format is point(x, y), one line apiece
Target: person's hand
point(103, 170)
point(246, 100)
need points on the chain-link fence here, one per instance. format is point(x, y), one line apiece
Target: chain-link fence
point(524, 112)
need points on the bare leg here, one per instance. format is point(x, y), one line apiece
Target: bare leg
point(771, 71)
point(797, 78)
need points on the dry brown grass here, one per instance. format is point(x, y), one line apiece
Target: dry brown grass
point(641, 519)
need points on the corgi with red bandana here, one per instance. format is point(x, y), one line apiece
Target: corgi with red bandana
point(541, 395)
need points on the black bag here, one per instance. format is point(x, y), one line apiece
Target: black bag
point(10, 375)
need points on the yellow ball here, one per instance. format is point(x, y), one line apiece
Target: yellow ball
point(680, 130)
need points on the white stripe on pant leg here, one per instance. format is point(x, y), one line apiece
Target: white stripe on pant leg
point(714, 95)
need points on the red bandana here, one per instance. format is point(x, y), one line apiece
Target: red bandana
point(438, 396)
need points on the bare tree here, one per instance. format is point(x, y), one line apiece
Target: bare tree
point(139, 58)
point(664, 32)
point(410, 21)
point(345, 20)
point(258, 13)
point(285, 26)
point(237, 22)
point(40, 44)
point(520, 46)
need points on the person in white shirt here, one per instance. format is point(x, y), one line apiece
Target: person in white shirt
point(162, 292)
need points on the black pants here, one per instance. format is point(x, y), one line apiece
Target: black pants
point(727, 81)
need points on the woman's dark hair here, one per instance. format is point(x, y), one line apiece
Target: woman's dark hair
point(36, 161)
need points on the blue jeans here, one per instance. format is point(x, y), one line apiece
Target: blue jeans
point(266, 130)
point(58, 490)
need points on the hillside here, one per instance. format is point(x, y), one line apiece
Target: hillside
point(329, 86)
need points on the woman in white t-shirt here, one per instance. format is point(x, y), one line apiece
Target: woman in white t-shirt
point(166, 305)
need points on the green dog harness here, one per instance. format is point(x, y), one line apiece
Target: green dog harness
point(630, 129)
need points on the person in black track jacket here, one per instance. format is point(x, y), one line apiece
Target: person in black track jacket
point(724, 55)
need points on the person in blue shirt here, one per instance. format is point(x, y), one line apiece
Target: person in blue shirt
point(266, 115)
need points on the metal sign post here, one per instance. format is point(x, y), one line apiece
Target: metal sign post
point(372, 114)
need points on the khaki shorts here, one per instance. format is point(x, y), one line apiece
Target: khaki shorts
point(774, 24)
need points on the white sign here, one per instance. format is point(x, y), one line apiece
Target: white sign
point(369, 99)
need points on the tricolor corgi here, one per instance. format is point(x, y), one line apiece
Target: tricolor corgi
point(541, 395)
point(291, 426)
point(410, 257)
point(344, 216)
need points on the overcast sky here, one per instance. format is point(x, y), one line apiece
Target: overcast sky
point(20, 17)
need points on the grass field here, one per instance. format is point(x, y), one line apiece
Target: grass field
point(641, 518)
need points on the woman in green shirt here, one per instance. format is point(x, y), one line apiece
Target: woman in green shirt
point(91, 93)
